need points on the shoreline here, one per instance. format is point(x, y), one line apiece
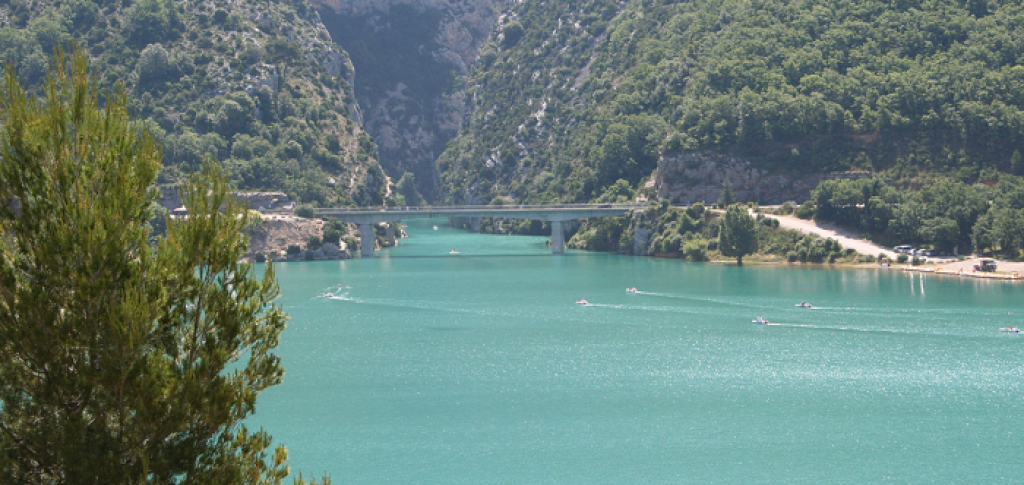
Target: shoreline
point(1008, 270)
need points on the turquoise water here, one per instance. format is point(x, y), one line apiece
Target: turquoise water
point(479, 368)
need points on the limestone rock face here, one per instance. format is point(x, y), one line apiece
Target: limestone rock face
point(685, 178)
point(272, 237)
point(407, 56)
point(641, 234)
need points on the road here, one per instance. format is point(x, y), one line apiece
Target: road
point(848, 239)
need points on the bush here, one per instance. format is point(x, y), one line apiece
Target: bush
point(314, 243)
point(305, 211)
point(294, 249)
point(916, 261)
point(805, 211)
point(696, 250)
point(332, 236)
point(902, 258)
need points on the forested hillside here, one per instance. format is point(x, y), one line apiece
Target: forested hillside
point(571, 96)
point(257, 84)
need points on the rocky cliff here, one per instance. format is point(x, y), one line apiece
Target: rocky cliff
point(409, 56)
point(686, 178)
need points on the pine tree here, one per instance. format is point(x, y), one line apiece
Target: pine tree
point(727, 198)
point(738, 235)
point(121, 362)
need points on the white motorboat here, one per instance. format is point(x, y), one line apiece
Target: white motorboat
point(804, 304)
point(453, 252)
point(1010, 329)
point(582, 302)
point(632, 289)
point(760, 321)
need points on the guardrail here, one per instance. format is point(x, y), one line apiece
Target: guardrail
point(456, 208)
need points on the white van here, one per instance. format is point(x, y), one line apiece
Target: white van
point(904, 249)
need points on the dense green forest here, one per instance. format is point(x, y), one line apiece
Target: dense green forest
point(572, 96)
point(945, 214)
point(257, 84)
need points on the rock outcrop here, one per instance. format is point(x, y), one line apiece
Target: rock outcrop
point(272, 237)
point(686, 178)
point(408, 56)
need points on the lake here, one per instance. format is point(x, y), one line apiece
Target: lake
point(480, 368)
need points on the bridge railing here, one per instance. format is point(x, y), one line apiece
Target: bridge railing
point(456, 208)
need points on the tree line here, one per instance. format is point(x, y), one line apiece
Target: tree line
point(943, 213)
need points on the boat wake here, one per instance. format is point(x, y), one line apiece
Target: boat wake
point(697, 299)
point(649, 308)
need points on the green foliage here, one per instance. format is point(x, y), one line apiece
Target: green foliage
point(738, 235)
point(332, 236)
point(120, 362)
point(795, 87)
point(305, 210)
point(406, 186)
point(805, 210)
point(154, 65)
point(210, 77)
point(150, 21)
point(728, 198)
point(511, 33)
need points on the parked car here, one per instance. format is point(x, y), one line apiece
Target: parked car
point(904, 249)
point(985, 264)
point(925, 252)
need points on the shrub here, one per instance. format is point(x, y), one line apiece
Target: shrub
point(805, 211)
point(902, 258)
point(332, 236)
point(696, 250)
point(305, 211)
point(314, 243)
point(294, 249)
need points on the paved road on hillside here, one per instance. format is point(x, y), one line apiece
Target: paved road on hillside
point(848, 239)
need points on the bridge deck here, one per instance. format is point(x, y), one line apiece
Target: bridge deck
point(554, 212)
point(557, 214)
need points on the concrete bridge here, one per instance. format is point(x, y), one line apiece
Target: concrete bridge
point(557, 215)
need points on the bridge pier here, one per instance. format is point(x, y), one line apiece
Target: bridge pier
point(367, 240)
point(390, 233)
point(557, 237)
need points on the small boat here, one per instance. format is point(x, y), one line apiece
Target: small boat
point(1010, 329)
point(435, 228)
point(632, 289)
point(804, 304)
point(329, 295)
point(760, 321)
point(582, 302)
point(453, 252)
